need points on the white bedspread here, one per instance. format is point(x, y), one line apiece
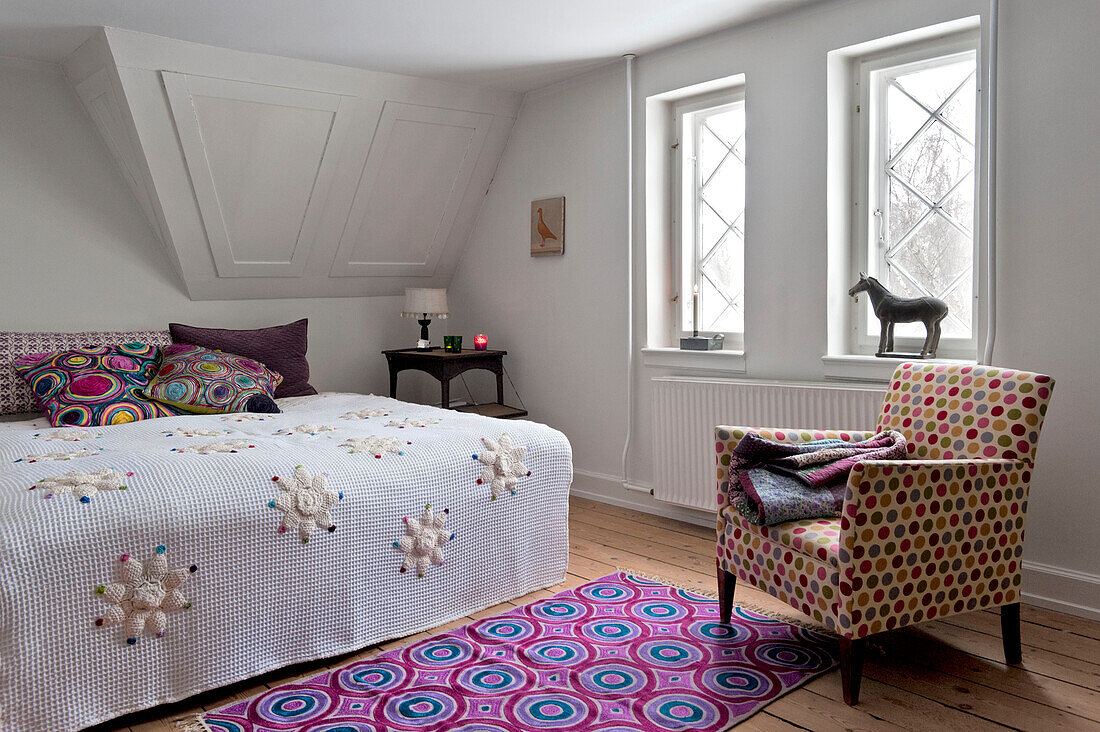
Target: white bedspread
point(259, 599)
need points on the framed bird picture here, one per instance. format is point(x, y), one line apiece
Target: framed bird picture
point(548, 227)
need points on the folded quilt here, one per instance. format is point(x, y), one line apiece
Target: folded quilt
point(774, 482)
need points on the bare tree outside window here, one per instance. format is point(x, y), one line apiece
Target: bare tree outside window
point(923, 238)
point(713, 217)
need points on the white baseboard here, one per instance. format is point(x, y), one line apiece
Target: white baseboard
point(1065, 590)
point(1055, 588)
point(606, 488)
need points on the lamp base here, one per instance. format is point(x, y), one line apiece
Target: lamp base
point(423, 344)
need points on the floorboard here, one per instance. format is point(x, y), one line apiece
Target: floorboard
point(945, 675)
point(1055, 619)
point(1053, 639)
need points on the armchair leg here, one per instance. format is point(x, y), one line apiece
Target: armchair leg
point(727, 581)
point(851, 668)
point(1010, 633)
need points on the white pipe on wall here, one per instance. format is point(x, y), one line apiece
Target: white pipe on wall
point(629, 262)
point(991, 187)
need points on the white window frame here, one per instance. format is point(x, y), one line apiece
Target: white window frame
point(686, 187)
point(869, 148)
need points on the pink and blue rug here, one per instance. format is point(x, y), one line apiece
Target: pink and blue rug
point(619, 654)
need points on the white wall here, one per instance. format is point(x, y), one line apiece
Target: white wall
point(77, 254)
point(560, 317)
point(564, 318)
point(1049, 219)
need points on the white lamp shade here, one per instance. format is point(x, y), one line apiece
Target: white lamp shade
point(425, 300)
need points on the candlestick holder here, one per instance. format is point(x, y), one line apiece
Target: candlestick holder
point(695, 313)
point(697, 342)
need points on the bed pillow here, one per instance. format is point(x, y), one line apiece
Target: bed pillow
point(94, 386)
point(15, 396)
point(197, 379)
point(282, 348)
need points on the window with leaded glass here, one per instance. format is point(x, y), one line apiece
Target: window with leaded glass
point(710, 215)
point(917, 122)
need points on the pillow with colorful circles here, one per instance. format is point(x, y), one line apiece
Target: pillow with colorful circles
point(197, 379)
point(94, 386)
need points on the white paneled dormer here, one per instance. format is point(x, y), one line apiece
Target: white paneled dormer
point(267, 175)
point(261, 159)
point(429, 153)
point(101, 94)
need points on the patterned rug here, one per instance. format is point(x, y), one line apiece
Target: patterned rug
point(619, 654)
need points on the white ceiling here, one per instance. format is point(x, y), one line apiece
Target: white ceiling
point(509, 44)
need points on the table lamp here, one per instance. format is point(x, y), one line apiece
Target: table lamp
point(424, 303)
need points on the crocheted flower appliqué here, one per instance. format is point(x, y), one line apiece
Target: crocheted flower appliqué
point(306, 429)
point(402, 424)
point(82, 485)
point(377, 446)
point(210, 448)
point(424, 540)
point(366, 414)
point(305, 503)
point(55, 456)
point(147, 592)
point(70, 434)
point(243, 417)
point(503, 465)
point(194, 432)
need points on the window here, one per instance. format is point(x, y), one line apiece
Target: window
point(916, 204)
point(709, 214)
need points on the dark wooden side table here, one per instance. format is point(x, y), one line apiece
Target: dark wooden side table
point(445, 366)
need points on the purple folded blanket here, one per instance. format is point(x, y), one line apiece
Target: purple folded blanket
point(773, 482)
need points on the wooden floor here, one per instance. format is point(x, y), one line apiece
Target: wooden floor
point(946, 675)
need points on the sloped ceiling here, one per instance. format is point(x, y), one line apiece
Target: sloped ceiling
point(509, 44)
point(266, 176)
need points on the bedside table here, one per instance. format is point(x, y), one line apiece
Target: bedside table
point(445, 366)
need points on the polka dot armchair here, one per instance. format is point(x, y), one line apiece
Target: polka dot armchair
point(935, 535)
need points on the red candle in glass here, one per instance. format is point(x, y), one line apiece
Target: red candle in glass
point(481, 342)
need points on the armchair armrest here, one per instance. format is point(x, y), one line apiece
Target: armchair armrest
point(726, 439)
point(924, 539)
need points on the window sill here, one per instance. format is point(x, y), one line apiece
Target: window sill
point(727, 361)
point(872, 368)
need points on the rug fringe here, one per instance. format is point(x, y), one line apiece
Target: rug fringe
point(788, 619)
point(713, 595)
point(193, 723)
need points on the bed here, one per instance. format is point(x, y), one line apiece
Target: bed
point(195, 551)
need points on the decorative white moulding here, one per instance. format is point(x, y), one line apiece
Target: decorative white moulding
point(279, 175)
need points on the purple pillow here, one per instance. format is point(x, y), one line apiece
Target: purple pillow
point(281, 348)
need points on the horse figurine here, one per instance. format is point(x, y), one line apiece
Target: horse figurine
point(890, 309)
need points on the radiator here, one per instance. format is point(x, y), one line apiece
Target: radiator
point(686, 411)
